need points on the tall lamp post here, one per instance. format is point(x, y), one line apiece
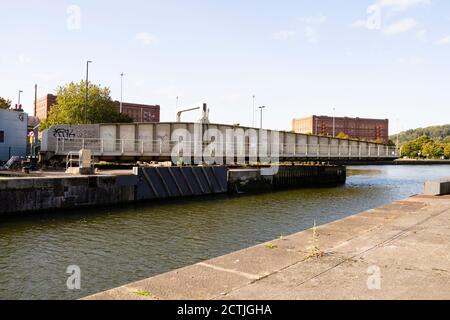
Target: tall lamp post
point(121, 92)
point(334, 122)
point(262, 108)
point(253, 111)
point(87, 92)
point(398, 137)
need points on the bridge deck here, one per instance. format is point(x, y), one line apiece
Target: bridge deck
point(156, 141)
point(247, 153)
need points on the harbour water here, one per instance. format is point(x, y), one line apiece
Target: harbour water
point(115, 246)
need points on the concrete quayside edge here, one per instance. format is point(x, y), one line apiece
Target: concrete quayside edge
point(399, 251)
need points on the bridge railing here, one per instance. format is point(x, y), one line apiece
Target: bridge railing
point(161, 148)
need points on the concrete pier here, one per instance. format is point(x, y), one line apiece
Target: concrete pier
point(400, 251)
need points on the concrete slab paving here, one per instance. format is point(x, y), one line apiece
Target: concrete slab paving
point(399, 251)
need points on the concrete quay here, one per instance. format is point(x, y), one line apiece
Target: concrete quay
point(53, 191)
point(19, 195)
point(399, 251)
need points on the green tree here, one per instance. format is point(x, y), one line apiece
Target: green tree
point(447, 150)
point(392, 143)
point(5, 103)
point(409, 150)
point(342, 135)
point(70, 106)
point(412, 148)
point(421, 141)
point(429, 149)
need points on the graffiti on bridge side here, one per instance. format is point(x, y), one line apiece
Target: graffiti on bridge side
point(66, 134)
point(69, 133)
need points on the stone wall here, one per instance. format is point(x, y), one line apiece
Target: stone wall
point(36, 194)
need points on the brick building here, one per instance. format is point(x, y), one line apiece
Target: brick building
point(358, 128)
point(43, 106)
point(138, 112)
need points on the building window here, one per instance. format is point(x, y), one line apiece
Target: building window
point(2, 136)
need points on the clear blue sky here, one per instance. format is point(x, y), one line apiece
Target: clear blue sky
point(298, 57)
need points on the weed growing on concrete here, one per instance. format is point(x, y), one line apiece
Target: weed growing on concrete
point(314, 248)
point(271, 246)
point(143, 293)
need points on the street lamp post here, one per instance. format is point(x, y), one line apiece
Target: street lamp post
point(253, 111)
point(121, 92)
point(87, 91)
point(398, 137)
point(262, 108)
point(334, 122)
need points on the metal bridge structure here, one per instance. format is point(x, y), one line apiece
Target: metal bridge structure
point(194, 142)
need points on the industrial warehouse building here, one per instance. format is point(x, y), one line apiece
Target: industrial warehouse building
point(43, 106)
point(13, 134)
point(357, 128)
point(137, 112)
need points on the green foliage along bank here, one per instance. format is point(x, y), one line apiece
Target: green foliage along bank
point(426, 147)
point(430, 143)
point(437, 133)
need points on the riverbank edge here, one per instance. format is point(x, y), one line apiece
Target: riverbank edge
point(333, 261)
point(396, 163)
